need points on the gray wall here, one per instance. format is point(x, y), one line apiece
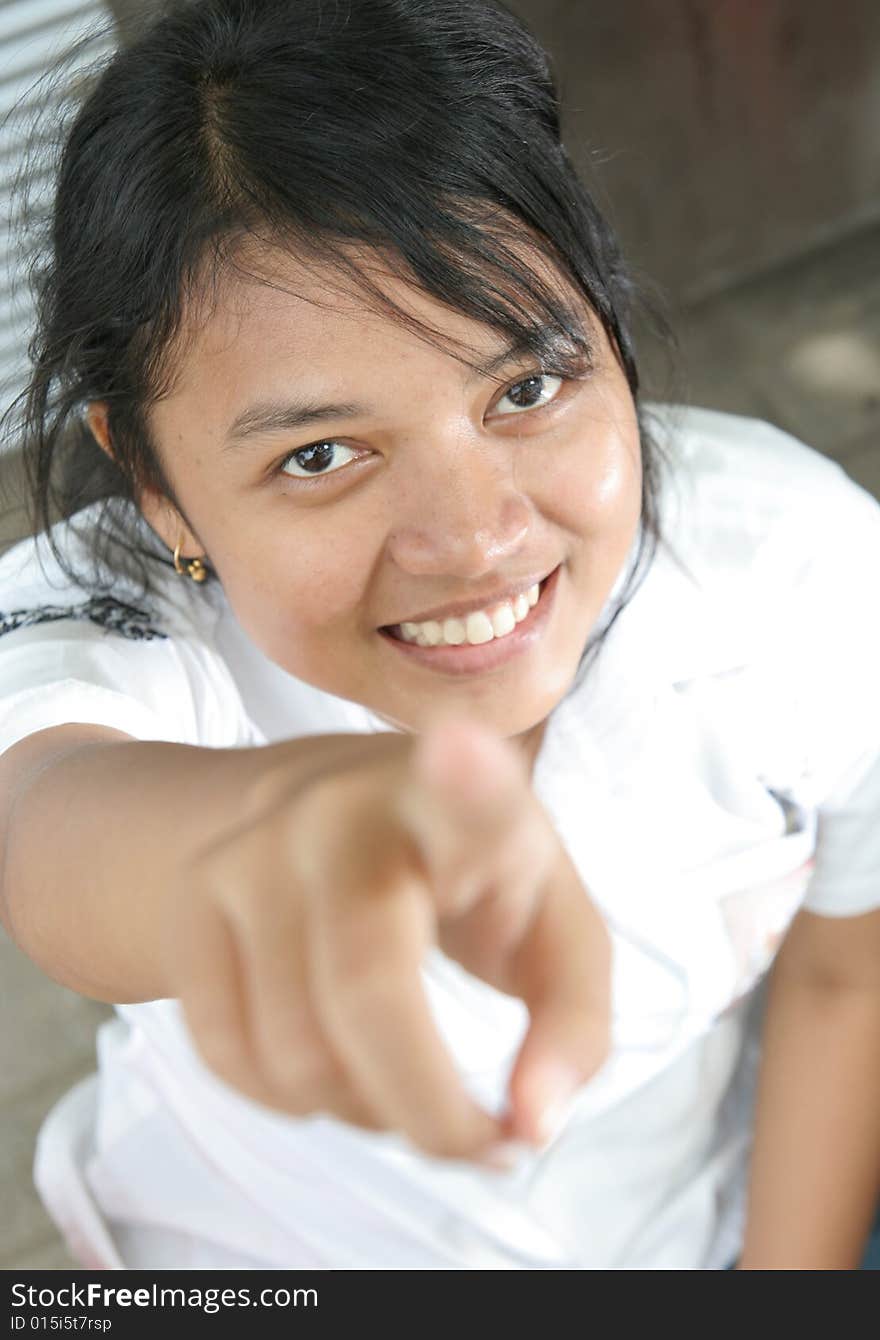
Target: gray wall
point(727, 135)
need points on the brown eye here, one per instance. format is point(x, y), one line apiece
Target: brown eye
point(531, 393)
point(320, 458)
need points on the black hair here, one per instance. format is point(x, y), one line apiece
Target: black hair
point(427, 130)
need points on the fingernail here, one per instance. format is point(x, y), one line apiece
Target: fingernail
point(507, 1156)
point(557, 1109)
point(554, 1119)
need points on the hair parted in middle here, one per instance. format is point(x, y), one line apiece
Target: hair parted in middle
point(422, 131)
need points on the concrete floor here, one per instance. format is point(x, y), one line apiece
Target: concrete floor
point(800, 347)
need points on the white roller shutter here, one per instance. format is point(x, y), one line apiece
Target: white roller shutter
point(36, 39)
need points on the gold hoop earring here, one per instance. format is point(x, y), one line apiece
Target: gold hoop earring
point(195, 568)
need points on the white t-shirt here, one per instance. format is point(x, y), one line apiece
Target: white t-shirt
point(718, 765)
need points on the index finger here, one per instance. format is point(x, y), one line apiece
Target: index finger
point(562, 970)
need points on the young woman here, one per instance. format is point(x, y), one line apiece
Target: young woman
point(424, 744)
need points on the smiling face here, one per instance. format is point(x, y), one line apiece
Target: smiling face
point(359, 491)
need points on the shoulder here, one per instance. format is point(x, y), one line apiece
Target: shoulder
point(745, 502)
point(38, 588)
point(762, 594)
point(717, 444)
point(79, 643)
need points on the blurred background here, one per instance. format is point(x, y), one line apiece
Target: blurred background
point(735, 144)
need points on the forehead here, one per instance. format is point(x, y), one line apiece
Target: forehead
point(304, 303)
point(269, 302)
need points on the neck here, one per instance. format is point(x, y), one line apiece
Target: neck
point(529, 744)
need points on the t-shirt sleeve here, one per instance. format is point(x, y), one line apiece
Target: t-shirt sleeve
point(69, 658)
point(846, 875)
point(836, 682)
point(67, 672)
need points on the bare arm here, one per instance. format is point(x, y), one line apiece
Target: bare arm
point(816, 1170)
point(94, 827)
point(286, 896)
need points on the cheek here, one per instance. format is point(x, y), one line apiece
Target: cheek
point(597, 478)
point(300, 592)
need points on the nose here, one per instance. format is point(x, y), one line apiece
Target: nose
point(461, 519)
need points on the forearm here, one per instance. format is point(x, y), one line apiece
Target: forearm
point(95, 840)
point(815, 1176)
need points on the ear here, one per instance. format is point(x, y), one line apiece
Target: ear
point(158, 511)
point(97, 419)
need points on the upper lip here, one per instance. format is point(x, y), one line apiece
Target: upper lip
point(457, 609)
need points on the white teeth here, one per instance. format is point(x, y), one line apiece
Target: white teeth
point(454, 632)
point(474, 629)
point(479, 629)
point(503, 620)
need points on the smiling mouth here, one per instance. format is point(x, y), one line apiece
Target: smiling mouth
point(491, 624)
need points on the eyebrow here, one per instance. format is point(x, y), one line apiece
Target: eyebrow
point(276, 416)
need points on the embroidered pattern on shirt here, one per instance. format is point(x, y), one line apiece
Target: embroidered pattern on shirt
point(113, 615)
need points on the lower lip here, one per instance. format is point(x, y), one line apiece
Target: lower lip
point(467, 660)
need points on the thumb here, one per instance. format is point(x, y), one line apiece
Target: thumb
point(472, 770)
point(469, 792)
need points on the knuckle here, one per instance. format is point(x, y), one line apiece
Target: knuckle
point(445, 1145)
point(457, 886)
point(366, 987)
point(361, 949)
point(230, 862)
point(317, 806)
point(219, 876)
point(213, 859)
